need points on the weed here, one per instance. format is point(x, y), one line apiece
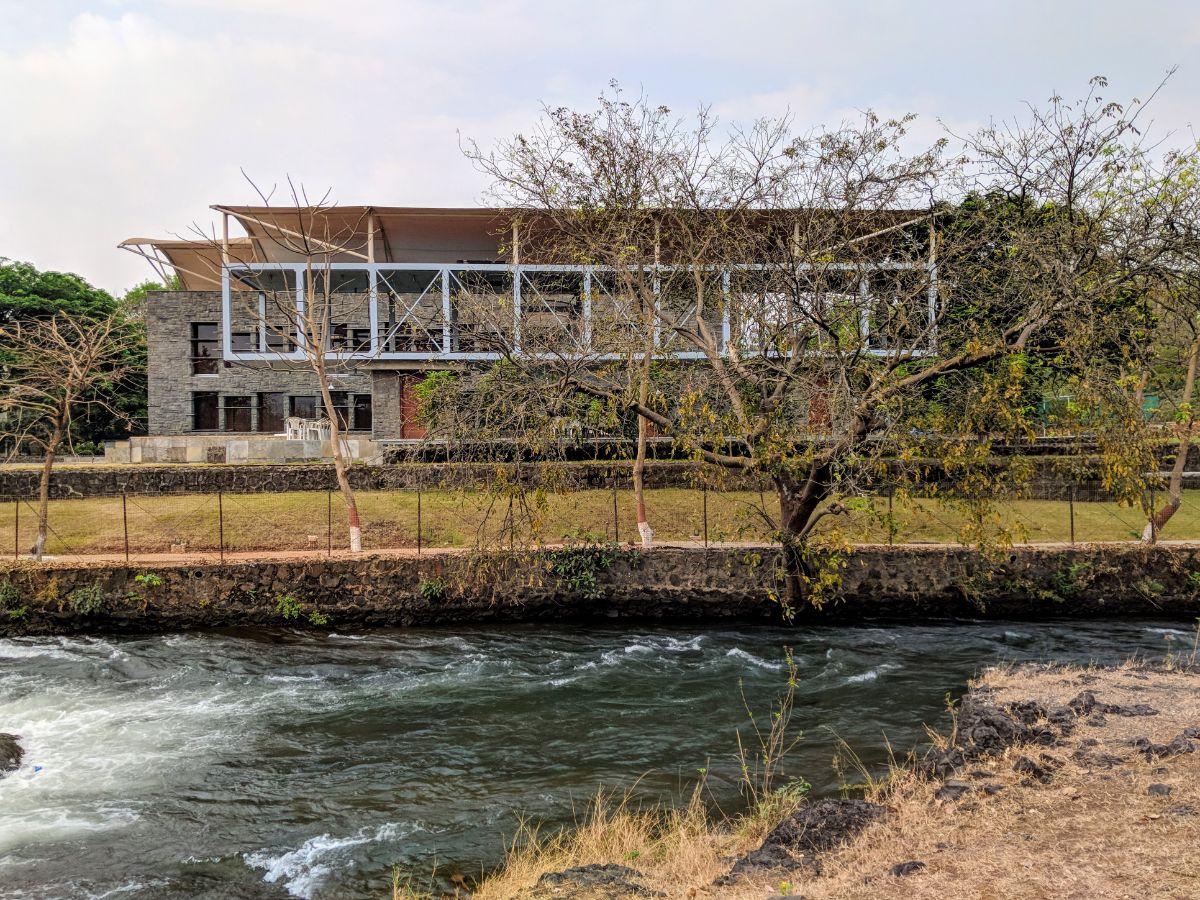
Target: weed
point(433, 590)
point(578, 566)
point(1193, 580)
point(317, 618)
point(762, 761)
point(288, 607)
point(88, 600)
point(19, 614)
point(10, 595)
point(148, 579)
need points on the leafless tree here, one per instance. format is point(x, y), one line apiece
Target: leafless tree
point(53, 370)
point(796, 272)
point(306, 317)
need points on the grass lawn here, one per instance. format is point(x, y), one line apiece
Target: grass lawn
point(299, 520)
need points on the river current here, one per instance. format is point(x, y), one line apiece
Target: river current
point(276, 763)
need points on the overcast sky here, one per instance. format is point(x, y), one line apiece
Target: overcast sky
point(129, 118)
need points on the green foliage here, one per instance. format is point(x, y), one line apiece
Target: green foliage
point(88, 600)
point(432, 590)
point(10, 601)
point(434, 391)
point(148, 579)
point(288, 607)
point(1193, 581)
point(578, 566)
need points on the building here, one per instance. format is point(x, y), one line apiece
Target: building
point(226, 373)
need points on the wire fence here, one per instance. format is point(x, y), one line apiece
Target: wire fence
point(418, 520)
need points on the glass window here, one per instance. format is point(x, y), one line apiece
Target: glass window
point(244, 340)
point(362, 412)
point(204, 411)
point(237, 413)
point(272, 410)
point(279, 338)
point(304, 407)
point(205, 348)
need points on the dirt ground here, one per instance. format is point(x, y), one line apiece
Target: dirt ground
point(1100, 799)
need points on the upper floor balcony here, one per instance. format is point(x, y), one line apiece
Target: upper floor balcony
point(440, 312)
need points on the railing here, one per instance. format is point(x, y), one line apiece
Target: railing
point(424, 312)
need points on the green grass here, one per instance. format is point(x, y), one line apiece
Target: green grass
point(298, 520)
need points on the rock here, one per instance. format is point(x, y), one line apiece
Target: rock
point(1027, 766)
point(992, 789)
point(1179, 744)
point(1138, 709)
point(1082, 703)
point(11, 752)
point(1027, 712)
point(1184, 809)
point(601, 881)
point(952, 790)
point(1096, 721)
point(1191, 732)
point(1159, 790)
point(812, 829)
point(899, 870)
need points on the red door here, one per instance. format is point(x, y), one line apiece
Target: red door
point(410, 426)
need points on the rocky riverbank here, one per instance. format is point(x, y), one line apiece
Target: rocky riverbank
point(598, 582)
point(1056, 782)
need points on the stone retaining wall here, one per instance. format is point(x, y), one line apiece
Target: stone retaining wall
point(110, 480)
point(668, 584)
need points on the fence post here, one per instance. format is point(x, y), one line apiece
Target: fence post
point(16, 527)
point(704, 485)
point(221, 525)
point(328, 522)
point(612, 476)
point(125, 524)
point(1071, 510)
point(418, 518)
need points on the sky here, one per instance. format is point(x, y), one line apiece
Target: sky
point(122, 118)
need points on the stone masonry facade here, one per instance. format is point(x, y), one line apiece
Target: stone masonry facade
point(172, 383)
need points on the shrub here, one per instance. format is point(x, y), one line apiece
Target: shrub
point(10, 595)
point(578, 566)
point(432, 590)
point(288, 607)
point(88, 600)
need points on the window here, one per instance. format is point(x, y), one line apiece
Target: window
point(204, 411)
point(362, 412)
point(205, 348)
point(304, 407)
point(279, 339)
point(341, 407)
point(338, 339)
point(272, 410)
point(244, 340)
point(360, 338)
point(237, 413)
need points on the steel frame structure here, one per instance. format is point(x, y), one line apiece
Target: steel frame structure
point(446, 274)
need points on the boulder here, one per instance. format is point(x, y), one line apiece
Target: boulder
point(10, 752)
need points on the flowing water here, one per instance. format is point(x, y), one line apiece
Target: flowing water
point(274, 763)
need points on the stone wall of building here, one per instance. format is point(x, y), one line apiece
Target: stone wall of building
point(669, 585)
point(169, 316)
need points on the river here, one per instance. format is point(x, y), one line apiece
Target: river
point(274, 763)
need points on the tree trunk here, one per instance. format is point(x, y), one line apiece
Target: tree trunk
point(639, 478)
point(1187, 427)
point(341, 465)
point(43, 518)
point(798, 504)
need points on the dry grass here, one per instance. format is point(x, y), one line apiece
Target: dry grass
point(680, 851)
point(1092, 832)
point(299, 520)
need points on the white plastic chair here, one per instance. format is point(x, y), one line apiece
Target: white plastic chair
point(293, 428)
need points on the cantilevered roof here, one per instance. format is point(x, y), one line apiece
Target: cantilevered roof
point(197, 263)
point(402, 234)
